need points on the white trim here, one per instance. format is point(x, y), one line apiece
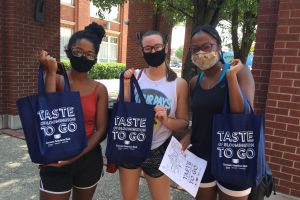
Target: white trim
point(85, 188)
point(113, 21)
point(66, 4)
point(234, 193)
point(51, 192)
point(66, 22)
point(208, 185)
point(72, 4)
point(112, 33)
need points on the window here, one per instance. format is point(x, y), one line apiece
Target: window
point(71, 2)
point(108, 50)
point(113, 15)
point(65, 34)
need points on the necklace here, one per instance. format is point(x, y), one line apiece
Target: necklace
point(212, 82)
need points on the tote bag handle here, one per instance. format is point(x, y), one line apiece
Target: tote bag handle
point(226, 107)
point(134, 82)
point(41, 83)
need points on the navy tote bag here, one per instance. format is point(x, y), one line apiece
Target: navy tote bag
point(238, 147)
point(53, 123)
point(131, 128)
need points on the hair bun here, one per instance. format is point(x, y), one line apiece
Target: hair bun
point(97, 29)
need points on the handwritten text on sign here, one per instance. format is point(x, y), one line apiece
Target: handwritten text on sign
point(184, 168)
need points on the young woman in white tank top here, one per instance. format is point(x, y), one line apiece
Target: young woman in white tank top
point(169, 94)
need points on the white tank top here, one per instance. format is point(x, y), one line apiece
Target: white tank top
point(161, 92)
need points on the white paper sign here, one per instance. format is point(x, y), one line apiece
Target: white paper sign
point(184, 168)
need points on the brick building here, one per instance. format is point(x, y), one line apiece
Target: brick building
point(276, 66)
point(276, 70)
point(22, 37)
point(75, 15)
point(122, 25)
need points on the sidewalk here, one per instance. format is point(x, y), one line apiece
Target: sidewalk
point(19, 177)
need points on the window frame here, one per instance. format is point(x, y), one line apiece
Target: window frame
point(68, 4)
point(109, 47)
point(105, 14)
point(62, 54)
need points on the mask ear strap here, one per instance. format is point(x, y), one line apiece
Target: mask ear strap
point(68, 53)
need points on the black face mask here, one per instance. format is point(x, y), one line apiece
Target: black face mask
point(81, 64)
point(155, 59)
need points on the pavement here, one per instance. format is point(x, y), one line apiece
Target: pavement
point(19, 177)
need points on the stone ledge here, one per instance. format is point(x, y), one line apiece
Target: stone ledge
point(13, 133)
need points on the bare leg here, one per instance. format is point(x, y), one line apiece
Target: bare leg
point(49, 196)
point(83, 194)
point(129, 179)
point(223, 196)
point(159, 187)
point(209, 193)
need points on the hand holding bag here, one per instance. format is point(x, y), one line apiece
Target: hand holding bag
point(53, 123)
point(130, 129)
point(238, 147)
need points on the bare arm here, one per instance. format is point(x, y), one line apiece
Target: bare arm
point(247, 84)
point(239, 79)
point(186, 140)
point(50, 67)
point(127, 75)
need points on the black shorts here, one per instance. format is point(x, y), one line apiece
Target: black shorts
point(151, 164)
point(83, 174)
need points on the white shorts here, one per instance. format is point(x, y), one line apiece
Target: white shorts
point(225, 190)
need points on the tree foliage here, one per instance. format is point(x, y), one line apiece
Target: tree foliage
point(240, 13)
point(107, 5)
point(179, 52)
point(176, 11)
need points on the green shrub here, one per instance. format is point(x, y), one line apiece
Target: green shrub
point(101, 70)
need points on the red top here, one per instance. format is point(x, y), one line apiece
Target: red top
point(89, 106)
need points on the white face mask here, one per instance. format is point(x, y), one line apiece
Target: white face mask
point(205, 60)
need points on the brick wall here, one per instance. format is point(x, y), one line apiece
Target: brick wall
point(67, 12)
point(82, 14)
point(281, 93)
point(2, 103)
point(23, 39)
point(262, 61)
point(124, 33)
point(140, 16)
